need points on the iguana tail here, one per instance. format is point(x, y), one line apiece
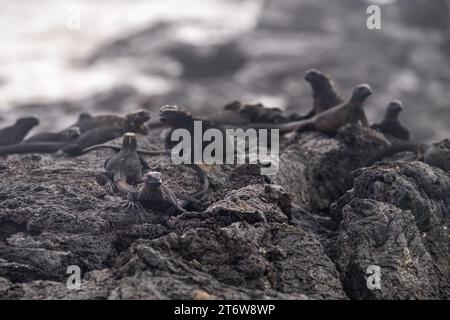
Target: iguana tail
point(187, 200)
point(306, 116)
point(125, 187)
point(32, 147)
point(300, 125)
point(205, 181)
point(118, 148)
point(122, 185)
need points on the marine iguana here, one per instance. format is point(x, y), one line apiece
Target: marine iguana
point(15, 133)
point(92, 137)
point(236, 114)
point(324, 94)
point(124, 169)
point(103, 131)
point(429, 154)
point(329, 121)
point(154, 195)
point(71, 147)
point(230, 115)
point(391, 124)
point(259, 113)
point(133, 122)
point(101, 179)
point(178, 117)
point(68, 134)
point(117, 149)
point(31, 147)
point(85, 123)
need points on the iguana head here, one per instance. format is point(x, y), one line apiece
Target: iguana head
point(317, 79)
point(129, 141)
point(361, 92)
point(259, 113)
point(395, 107)
point(175, 116)
point(393, 110)
point(28, 122)
point(153, 179)
point(137, 119)
point(71, 133)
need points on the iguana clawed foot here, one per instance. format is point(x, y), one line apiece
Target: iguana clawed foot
point(103, 180)
point(135, 207)
point(110, 187)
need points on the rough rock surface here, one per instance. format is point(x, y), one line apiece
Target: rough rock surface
point(239, 244)
point(396, 217)
point(317, 169)
point(246, 239)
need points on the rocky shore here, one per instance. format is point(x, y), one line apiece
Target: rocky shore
point(244, 240)
point(247, 238)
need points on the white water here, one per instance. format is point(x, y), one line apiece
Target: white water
point(38, 51)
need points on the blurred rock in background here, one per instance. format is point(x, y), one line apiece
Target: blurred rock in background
point(203, 54)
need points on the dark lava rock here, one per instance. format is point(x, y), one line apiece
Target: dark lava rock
point(247, 239)
point(396, 217)
point(317, 169)
point(241, 246)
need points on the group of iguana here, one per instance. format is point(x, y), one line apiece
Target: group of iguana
point(87, 131)
point(124, 171)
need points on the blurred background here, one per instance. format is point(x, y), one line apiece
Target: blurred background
point(59, 58)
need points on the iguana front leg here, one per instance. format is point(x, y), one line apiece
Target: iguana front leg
point(134, 206)
point(364, 120)
point(106, 179)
